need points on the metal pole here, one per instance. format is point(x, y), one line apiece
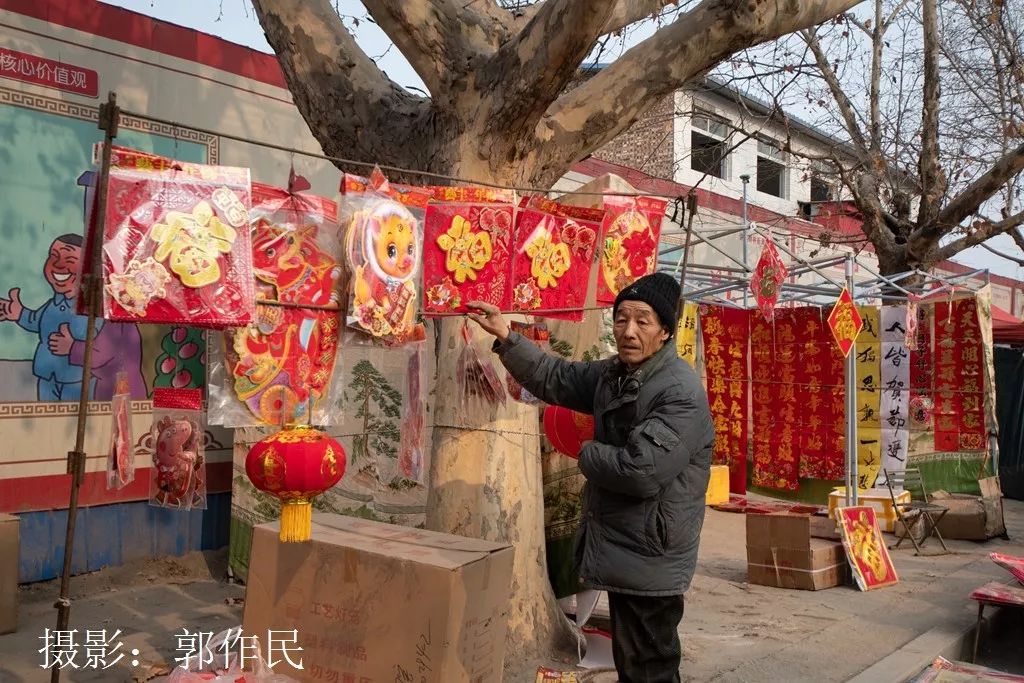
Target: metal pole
point(746, 232)
point(91, 289)
point(851, 404)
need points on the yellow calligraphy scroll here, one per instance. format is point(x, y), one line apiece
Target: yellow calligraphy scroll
point(869, 422)
point(686, 334)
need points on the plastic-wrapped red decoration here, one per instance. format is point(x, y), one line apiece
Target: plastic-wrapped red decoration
point(295, 465)
point(568, 430)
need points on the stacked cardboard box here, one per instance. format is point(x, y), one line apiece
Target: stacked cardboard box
point(8, 573)
point(786, 550)
point(372, 601)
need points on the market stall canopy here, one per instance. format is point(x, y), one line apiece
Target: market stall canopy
point(1006, 328)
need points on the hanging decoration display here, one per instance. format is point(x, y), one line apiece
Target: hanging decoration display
point(554, 250)
point(912, 323)
point(176, 242)
point(295, 465)
point(629, 242)
point(845, 322)
point(283, 362)
point(686, 334)
point(568, 430)
point(384, 244)
point(537, 333)
point(895, 386)
point(467, 251)
point(769, 274)
point(178, 478)
point(960, 381)
point(726, 333)
point(476, 377)
point(869, 392)
point(121, 457)
point(819, 383)
point(865, 548)
point(775, 404)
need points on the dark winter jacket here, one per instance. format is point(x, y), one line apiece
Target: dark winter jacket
point(647, 469)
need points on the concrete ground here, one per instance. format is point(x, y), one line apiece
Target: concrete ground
point(732, 631)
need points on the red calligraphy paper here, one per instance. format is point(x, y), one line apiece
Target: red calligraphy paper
point(551, 263)
point(176, 244)
point(818, 380)
point(286, 358)
point(959, 378)
point(769, 274)
point(762, 364)
point(467, 255)
point(922, 400)
point(726, 332)
point(629, 242)
point(775, 403)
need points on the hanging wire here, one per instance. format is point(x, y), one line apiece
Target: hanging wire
point(393, 169)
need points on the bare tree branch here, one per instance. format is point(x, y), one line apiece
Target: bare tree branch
point(974, 195)
point(846, 109)
point(1000, 254)
point(528, 73)
point(933, 183)
point(611, 101)
point(313, 46)
point(626, 12)
point(440, 38)
point(980, 234)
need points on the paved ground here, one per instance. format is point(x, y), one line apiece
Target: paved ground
point(732, 631)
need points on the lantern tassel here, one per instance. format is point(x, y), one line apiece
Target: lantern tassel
point(296, 521)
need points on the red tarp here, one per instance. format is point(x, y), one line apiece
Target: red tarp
point(1006, 329)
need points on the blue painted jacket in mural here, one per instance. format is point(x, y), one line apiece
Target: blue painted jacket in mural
point(45, 321)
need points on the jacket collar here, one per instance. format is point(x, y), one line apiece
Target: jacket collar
point(627, 384)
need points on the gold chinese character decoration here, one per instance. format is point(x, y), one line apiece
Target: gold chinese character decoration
point(845, 322)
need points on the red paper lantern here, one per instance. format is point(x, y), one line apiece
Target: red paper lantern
point(296, 464)
point(567, 430)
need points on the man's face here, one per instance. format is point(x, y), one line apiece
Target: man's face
point(638, 332)
point(61, 269)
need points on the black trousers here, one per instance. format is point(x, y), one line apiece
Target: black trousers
point(645, 637)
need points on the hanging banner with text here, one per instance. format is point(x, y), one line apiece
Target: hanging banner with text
point(726, 333)
point(869, 421)
point(895, 385)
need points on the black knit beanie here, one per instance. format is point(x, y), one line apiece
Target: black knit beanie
point(660, 292)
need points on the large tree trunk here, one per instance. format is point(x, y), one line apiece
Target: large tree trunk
point(486, 483)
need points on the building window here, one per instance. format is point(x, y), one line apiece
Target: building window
point(709, 145)
point(772, 175)
point(823, 188)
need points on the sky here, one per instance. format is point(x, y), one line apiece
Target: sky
point(235, 21)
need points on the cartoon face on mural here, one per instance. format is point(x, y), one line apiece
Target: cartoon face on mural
point(62, 265)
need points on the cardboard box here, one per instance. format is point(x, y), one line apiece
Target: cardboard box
point(879, 499)
point(973, 518)
point(9, 551)
point(782, 552)
point(379, 602)
point(718, 486)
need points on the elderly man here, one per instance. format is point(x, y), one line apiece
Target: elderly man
point(647, 468)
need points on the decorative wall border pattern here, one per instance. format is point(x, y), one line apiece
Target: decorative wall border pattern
point(87, 112)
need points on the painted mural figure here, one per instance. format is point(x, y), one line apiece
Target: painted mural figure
point(57, 364)
point(58, 379)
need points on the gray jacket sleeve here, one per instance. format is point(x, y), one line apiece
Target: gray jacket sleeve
point(656, 451)
point(549, 378)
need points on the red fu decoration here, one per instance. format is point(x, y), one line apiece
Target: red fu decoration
point(294, 465)
point(769, 274)
point(567, 430)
